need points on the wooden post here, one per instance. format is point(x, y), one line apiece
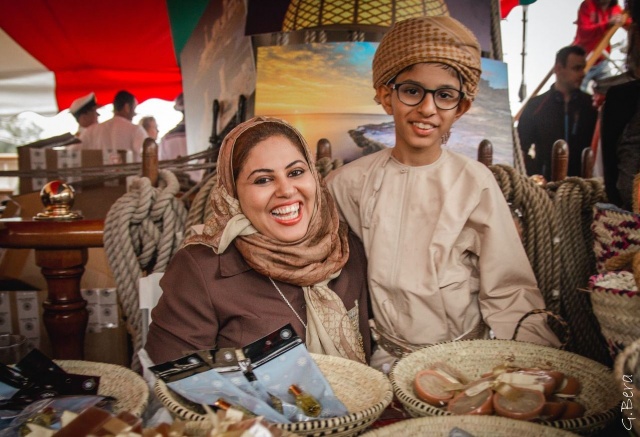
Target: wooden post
point(559, 160)
point(61, 250)
point(485, 152)
point(323, 149)
point(588, 160)
point(65, 311)
point(150, 160)
point(213, 139)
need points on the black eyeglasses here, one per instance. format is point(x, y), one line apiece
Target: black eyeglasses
point(412, 94)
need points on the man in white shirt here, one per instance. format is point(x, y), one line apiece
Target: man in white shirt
point(118, 133)
point(174, 143)
point(85, 110)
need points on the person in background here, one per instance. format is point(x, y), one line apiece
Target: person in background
point(150, 125)
point(595, 17)
point(564, 112)
point(444, 257)
point(274, 252)
point(174, 143)
point(85, 110)
point(620, 140)
point(117, 133)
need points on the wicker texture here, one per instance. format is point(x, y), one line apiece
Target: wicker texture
point(599, 393)
point(478, 426)
point(627, 374)
point(616, 232)
point(617, 308)
point(203, 429)
point(129, 389)
point(365, 392)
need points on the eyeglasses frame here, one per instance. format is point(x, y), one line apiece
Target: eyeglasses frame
point(394, 86)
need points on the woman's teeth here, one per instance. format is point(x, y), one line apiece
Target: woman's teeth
point(288, 212)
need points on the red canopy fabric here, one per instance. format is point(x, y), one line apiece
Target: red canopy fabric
point(100, 46)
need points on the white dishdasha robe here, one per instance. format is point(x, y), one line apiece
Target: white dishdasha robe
point(442, 249)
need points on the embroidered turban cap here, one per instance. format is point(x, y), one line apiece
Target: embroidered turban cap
point(440, 39)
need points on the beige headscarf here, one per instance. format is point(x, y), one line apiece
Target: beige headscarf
point(310, 262)
point(440, 39)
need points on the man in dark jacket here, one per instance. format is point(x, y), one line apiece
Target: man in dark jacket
point(564, 112)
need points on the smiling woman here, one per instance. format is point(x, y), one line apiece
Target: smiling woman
point(274, 182)
point(273, 253)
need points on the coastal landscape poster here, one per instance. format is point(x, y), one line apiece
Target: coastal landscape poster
point(325, 91)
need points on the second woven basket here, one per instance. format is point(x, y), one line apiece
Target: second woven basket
point(600, 394)
point(616, 304)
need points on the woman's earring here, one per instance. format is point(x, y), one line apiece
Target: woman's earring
point(445, 138)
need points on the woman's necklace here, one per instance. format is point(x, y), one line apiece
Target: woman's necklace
point(288, 303)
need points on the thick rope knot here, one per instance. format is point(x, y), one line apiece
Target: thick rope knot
point(143, 229)
point(573, 202)
point(201, 209)
point(558, 241)
point(539, 228)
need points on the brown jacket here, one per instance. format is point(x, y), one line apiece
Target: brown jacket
point(219, 301)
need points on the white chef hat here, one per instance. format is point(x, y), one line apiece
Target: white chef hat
point(83, 104)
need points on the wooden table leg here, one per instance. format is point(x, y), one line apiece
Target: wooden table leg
point(65, 311)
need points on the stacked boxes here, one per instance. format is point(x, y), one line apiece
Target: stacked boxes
point(102, 305)
point(63, 152)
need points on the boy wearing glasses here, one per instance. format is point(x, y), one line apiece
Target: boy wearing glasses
point(445, 259)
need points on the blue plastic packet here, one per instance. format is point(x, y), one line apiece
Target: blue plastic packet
point(192, 378)
point(280, 360)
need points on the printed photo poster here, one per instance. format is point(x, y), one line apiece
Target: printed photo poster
point(325, 91)
point(217, 63)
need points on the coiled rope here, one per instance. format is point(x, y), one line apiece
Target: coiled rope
point(556, 222)
point(574, 199)
point(539, 229)
point(143, 229)
point(201, 209)
point(325, 165)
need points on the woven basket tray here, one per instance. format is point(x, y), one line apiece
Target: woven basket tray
point(615, 232)
point(202, 429)
point(478, 426)
point(129, 389)
point(627, 375)
point(365, 392)
point(600, 394)
point(617, 308)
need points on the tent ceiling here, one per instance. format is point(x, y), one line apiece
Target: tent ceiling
point(54, 51)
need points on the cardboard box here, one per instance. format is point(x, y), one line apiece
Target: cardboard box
point(62, 152)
